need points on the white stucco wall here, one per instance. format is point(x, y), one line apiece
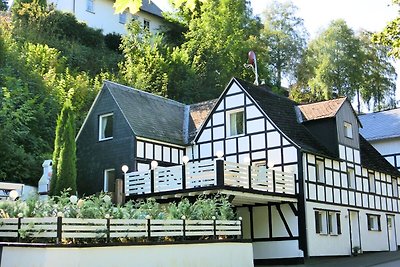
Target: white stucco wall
point(104, 16)
point(210, 255)
point(387, 146)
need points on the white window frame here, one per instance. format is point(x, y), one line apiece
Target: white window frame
point(348, 129)
point(351, 178)
point(371, 181)
point(102, 127)
point(90, 6)
point(373, 222)
point(320, 170)
point(229, 129)
point(123, 17)
point(327, 222)
point(106, 178)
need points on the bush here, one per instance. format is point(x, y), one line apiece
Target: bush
point(113, 41)
point(100, 206)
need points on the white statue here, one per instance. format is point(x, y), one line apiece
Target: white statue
point(44, 182)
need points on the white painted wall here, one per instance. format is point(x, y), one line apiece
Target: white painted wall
point(387, 146)
point(277, 249)
point(210, 255)
point(104, 17)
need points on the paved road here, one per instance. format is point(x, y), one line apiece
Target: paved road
point(375, 259)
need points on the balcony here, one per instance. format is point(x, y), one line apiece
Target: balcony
point(209, 176)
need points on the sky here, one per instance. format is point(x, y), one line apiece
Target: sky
point(370, 15)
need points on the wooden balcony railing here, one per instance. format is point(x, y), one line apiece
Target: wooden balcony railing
point(209, 173)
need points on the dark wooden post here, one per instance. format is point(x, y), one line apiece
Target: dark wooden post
point(220, 171)
point(108, 228)
point(295, 183)
point(152, 177)
point(184, 226)
point(184, 176)
point(19, 228)
point(119, 196)
point(148, 218)
point(215, 226)
point(249, 175)
point(59, 229)
point(273, 181)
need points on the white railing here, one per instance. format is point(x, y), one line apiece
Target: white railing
point(207, 174)
point(55, 229)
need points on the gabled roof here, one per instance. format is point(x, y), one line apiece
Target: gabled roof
point(381, 125)
point(150, 7)
point(149, 115)
point(321, 110)
point(281, 110)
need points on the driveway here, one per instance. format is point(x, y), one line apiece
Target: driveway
point(377, 259)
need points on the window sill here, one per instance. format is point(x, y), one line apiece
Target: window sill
point(105, 139)
point(235, 136)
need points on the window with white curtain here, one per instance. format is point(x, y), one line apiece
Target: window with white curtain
point(106, 126)
point(235, 121)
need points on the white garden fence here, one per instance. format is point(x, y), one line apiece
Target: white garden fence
point(58, 228)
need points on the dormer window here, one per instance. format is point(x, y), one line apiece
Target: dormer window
point(235, 122)
point(348, 130)
point(106, 126)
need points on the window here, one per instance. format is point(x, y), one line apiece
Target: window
point(236, 123)
point(374, 222)
point(327, 222)
point(371, 179)
point(351, 178)
point(348, 130)
point(109, 180)
point(90, 6)
point(122, 17)
point(146, 24)
point(395, 188)
point(320, 171)
point(106, 127)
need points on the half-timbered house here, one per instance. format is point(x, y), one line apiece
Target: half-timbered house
point(301, 177)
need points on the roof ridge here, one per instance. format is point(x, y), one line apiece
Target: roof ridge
point(148, 94)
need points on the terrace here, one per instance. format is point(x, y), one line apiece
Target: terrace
point(246, 184)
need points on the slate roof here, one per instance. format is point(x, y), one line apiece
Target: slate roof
point(281, 110)
point(373, 160)
point(150, 7)
point(321, 110)
point(148, 115)
point(381, 125)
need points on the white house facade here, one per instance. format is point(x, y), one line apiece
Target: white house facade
point(100, 14)
point(382, 130)
point(301, 177)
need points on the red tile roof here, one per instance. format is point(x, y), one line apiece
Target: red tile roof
point(321, 110)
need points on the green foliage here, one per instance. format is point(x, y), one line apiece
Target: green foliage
point(64, 156)
point(100, 206)
point(3, 5)
point(113, 41)
point(284, 37)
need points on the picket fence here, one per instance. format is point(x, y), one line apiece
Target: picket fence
point(55, 229)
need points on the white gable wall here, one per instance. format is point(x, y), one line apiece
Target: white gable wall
point(390, 149)
point(104, 16)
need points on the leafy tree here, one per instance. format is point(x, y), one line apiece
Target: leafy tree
point(390, 36)
point(330, 66)
point(3, 5)
point(284, 36)
point(64, 156)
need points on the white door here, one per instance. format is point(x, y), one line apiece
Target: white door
point(354, 230)
point(391, 233)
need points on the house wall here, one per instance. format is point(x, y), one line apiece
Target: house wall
point(164, 154)
point(335, 195)
point(175, 255)
point(94, 156)
point(325, 131)
point(104, 16)
point(390, 149)
point(273, 228)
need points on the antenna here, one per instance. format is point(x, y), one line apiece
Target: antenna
point(252, 63)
